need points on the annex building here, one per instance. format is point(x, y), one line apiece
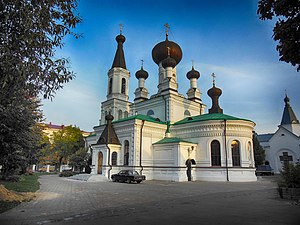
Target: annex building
point(168, 136)
point(283, 145)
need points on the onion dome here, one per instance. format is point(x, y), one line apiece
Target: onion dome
point(141, 74)
point(214, 92)
point(193, 74)
point(160, 51)
point(169, 62)
point(120, 38)
point(109, 117)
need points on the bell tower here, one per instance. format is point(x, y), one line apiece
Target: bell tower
point(117, 103)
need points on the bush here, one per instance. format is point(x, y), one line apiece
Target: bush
point(66, 173)
point(12, 178)
point(290, 176)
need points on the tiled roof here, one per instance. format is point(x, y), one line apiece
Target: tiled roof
point(264, 137)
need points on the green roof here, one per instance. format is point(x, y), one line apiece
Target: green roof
point(206, 117)
point(141, 117)
point(171, 140)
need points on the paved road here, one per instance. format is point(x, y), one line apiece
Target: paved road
point(63, 201)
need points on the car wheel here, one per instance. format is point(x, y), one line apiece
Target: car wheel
point(128, 181)
point(139, 181)
point(114, 179)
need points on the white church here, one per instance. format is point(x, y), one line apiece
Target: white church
point(168, 136)
point(283, 145)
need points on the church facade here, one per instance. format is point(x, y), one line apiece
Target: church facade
point(283, 146)
point(168, 136)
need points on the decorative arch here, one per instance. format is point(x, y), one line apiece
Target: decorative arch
point(187, 113)
point(114, 158)
point(123, 87)
point(215, 153)
point(120, 114)
point(125, 114)
point(235, 152)
point(126, 153)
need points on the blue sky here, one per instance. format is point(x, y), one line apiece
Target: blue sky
point(224, 37)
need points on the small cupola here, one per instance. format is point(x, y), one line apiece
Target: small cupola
point(214, 93)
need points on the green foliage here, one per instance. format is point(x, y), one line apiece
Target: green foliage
point(67, 142)
point(79, 159)
point(290, 176)
point(259, 152)
point(30, 32)
point(27, 183)
point(286, 30)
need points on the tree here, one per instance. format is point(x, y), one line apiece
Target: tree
point(259, 152)
point(79, 159)
point(30, 32)
point(286, 30)
point(67, 142)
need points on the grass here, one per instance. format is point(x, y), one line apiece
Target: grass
point(27, 183)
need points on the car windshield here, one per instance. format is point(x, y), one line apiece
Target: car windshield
point(135, 173)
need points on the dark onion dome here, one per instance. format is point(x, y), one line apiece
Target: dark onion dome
point(287, 100)
point(214, 91)
point(169, 62)
point(160, 51)
point(141, 74)
point(120, 38)
point(193, 74)
point(109, 117)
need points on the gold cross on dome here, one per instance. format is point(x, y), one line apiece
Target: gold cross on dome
point(121, 28)
point(214, 78)
point(142, 62)
point(167, 26)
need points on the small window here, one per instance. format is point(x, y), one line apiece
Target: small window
point(126, 153)
point(187, 113)
point(123, 88)
point(150, 113)
point(120, 114)
point(110, 86)
point(125, 114)
point(114, 157)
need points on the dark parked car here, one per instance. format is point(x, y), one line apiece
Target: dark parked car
point(128, 176)
point(264, 170)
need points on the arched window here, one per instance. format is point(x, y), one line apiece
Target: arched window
point(215, 153)
point(126, 153)
point(110, 86)
point(235, 150)
point(114, 157)
point(120, 114)
point(125, 114)
point(187, 113)
point(123, 87)
point(150, 113)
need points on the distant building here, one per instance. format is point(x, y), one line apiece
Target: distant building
point(168, 136)
point(49, 129)
point(283, 145)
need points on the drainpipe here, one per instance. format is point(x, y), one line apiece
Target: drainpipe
point(165, 107)
point(227, 176)
point(110, 166)
point(141, 145)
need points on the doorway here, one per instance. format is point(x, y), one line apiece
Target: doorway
point(100, 162)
